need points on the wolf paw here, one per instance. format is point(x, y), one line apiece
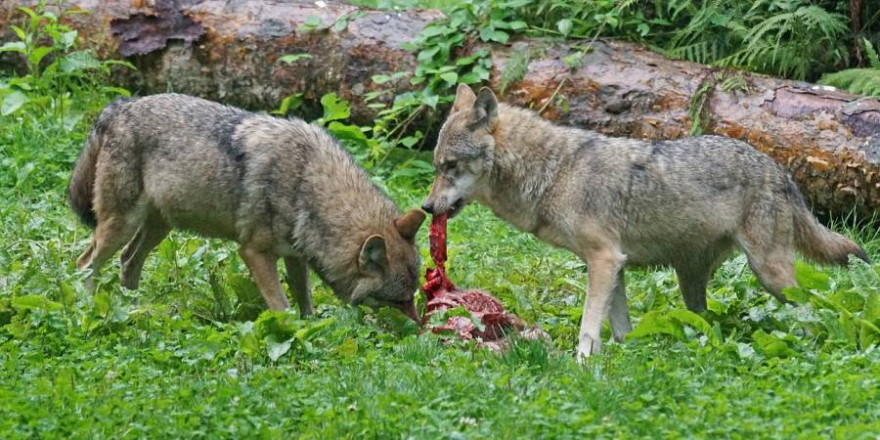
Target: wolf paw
point(129, 280)
point(588, 346)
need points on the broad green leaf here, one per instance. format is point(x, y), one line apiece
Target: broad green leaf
point(12, 102)
point(564, 26)
point(863, 276)
point(71, 119)
point(339, 25)
point(410, 141)
point(348, 132)
point(491, 34)
point(334, 108)
point(427, 55)
point(871, 312)
point(797, 294)
point(34, 302)
point(656, 323)
point(311, 330)
point(450, 77)
point(116, 91)
point(68, 294)
point(19, 32)
point(79, 61)
point(289, 103)
point(279, 325)
point(348, 348)
point(809, 277)
point(381, 79)
point(67, 39)
point(848, 300)
point(697, 322)
point(433, 31)
point(312, 22)
point(276, 349)
point(771, 345)
point(14, 46)
point(868, 335)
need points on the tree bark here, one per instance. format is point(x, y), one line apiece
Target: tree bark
point(229, 50)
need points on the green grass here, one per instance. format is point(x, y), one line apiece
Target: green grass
point(185, 357)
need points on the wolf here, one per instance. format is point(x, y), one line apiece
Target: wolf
point(281, 188)
point(617, 202)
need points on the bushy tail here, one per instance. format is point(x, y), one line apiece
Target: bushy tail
point(81, 191)
point(819, 243)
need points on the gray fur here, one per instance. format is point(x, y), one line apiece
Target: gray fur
point(280, 188)
point(619, 202)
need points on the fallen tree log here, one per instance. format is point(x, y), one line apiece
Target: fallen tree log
point(229, 51)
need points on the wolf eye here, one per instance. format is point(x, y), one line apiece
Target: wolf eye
point(449, 165)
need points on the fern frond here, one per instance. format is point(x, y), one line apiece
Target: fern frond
point(860, 81)
point(872, 54)
point(515, 67)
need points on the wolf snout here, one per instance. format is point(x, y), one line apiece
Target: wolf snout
point(428, 207)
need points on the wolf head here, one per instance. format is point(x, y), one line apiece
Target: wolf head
point(388, 267)
point(465, 150)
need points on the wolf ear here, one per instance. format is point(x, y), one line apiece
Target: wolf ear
point(464, 98)
point(409, 223)
point(486, 107)
point(373, 257)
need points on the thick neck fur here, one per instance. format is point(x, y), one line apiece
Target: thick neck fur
point(528, 154)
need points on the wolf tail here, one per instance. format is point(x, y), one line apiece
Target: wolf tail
point(817, 242)
point(81, 191)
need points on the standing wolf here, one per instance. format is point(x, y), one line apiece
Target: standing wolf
point(618, 202)
point(280, 188)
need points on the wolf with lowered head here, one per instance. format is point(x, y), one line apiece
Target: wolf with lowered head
point(617, 202)
point(280, 188)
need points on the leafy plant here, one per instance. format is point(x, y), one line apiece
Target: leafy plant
point(57, 73)
point(865, 81)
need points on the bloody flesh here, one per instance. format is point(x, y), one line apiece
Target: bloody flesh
point(443, 295)
point(436, 279)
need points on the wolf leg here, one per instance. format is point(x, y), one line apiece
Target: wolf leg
point(692, 282)
point(84, 258)
point(110, 235)
point(766, 238)
point(151, 233)
point(298, 280)
point(695, 272)
point(618, 319)
point(604, 266)
point(774, 269)
point(264, 269)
